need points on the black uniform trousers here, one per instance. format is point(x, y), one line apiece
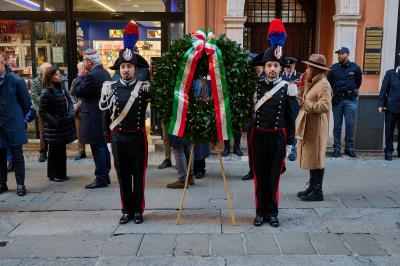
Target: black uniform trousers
point(57, 161)
point(19, 164)
point(130, 160)
point(268, 155)
point(391, 119)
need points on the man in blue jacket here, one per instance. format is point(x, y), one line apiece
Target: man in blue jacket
point(389, 103)
point(15, 104)
point(345, 78)
point(88, 89)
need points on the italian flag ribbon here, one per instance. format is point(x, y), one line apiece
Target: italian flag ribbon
point(202, 43)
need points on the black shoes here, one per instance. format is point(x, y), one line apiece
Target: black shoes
point(138, 218)
point(200, 174)
point(388, 156)
point(165, 164)
point(316, 194)
point(272, 220)
point(57, 179)
point(79, 156)
point(96, 184)
point(3, 187)
point(336, 154)
point(21, 190)
point(125, 219)
point(237, 151)
point(292, 157)
point(310, 186)
point(42, 157)
point(259, 220)
point(351, 153)
point(249, 176)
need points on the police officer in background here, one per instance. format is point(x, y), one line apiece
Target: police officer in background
point(292, 76)
point(273, 131)
point(125, 102)
point(345, 78)
point(389, 103)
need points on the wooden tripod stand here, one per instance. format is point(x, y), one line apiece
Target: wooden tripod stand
point(228, 194)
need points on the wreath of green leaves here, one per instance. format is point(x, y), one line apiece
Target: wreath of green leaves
point(200, 123)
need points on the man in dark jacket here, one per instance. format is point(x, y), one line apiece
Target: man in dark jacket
point(15, 104)
point(389, 103)
point(345, 78)
point(91, 132)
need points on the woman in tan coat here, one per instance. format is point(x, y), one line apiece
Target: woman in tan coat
point(312, 125)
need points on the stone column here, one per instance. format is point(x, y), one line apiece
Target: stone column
point(346, 22)
point(234, 26)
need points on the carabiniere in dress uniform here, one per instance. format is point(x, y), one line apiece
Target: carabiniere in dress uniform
point(272, 134)
point(124, 102)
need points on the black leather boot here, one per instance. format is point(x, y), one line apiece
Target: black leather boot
point(316, 194)
point(310, 186)
point(227, 148)
point(236, 146)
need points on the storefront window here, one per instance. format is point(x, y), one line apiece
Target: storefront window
point(15, 43)
point(106, 38)
point(51, 44)
point(32, 5)
point(129, 5)
point(176, 31)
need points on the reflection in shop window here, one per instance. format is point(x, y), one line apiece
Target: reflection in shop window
point(129, 5)
point(32, 5)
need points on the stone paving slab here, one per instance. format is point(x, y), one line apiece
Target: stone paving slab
point(122, 245)
point(10, 220)
point(70, 222)
point(295, 244)
point(361, 220)
point(329, 244)
point(363, 245)
point(164, 221)
point(192, 245)
point(161, 261)
point(21, 247)
point(261, 244)
point(157, 245)
point(391, 243)
point(227, 245)
point(60, 261)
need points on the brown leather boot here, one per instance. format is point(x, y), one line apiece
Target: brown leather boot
point(177, 184)
point(191, 180)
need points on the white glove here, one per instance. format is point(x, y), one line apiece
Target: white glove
point(288, 150)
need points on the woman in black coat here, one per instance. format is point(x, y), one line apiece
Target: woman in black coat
point(57, 113)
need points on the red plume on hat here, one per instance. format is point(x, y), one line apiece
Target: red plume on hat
point(277, 35)
point(131, 35)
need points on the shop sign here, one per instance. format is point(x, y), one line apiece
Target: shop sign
point(373, 50)
point(153, 34)
point(116, 33)
point(58, 54)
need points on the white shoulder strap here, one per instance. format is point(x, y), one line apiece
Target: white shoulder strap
point(268, 95)
point(124, 112)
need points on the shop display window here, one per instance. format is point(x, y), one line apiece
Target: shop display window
point(130, 5)
point(32, 5)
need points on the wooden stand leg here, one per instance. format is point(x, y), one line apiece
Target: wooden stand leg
point(186, 184)
point(228, 194)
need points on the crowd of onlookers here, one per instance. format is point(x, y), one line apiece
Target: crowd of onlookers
point(65, 115)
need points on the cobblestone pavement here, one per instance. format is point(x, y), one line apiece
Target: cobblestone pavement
point(64, 224)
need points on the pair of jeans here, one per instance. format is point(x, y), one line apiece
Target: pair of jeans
point(19, 164)
point(391, 119)
point(182, 155)
point(101, 157)
point(346, 108)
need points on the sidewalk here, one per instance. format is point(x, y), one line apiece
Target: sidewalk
point(64, 224)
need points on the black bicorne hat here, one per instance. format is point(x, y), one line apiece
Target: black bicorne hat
point(269, 55)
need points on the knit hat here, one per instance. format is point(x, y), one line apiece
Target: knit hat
point(91, 55)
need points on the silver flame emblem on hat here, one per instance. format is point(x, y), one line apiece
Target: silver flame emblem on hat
point(127, 55)
point(278, 52)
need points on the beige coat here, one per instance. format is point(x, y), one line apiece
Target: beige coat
point(312, 123)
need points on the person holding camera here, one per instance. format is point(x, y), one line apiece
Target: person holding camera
point(345, 78)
